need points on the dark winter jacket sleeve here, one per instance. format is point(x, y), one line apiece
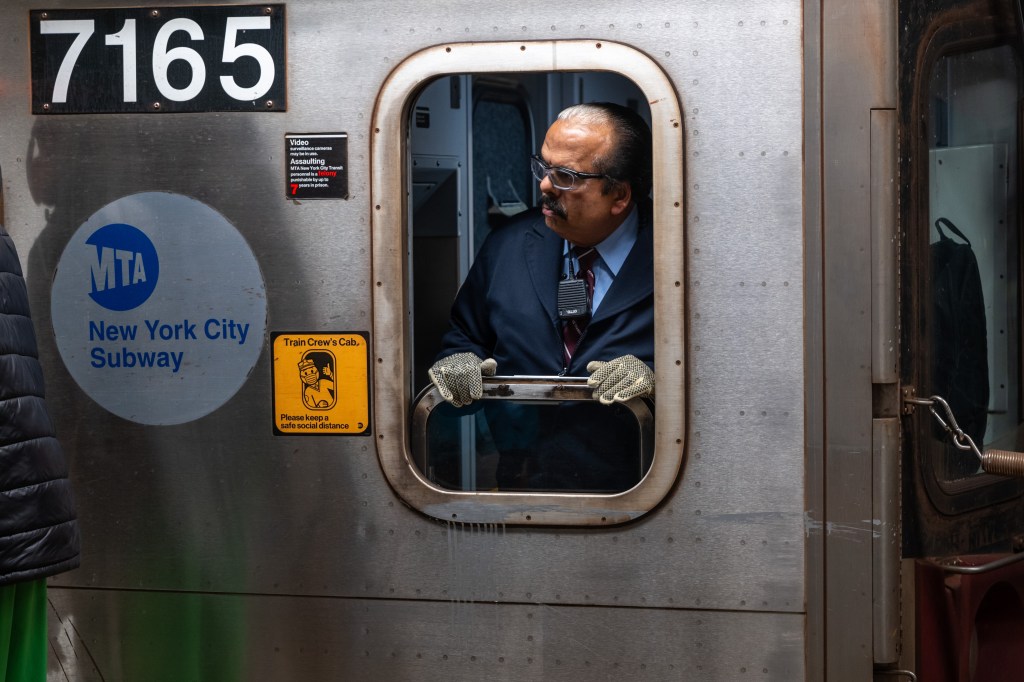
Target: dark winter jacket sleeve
point(38, 526)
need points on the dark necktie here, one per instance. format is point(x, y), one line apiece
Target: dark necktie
point(572, 330)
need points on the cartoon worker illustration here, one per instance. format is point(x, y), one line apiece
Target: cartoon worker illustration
point(318, 392)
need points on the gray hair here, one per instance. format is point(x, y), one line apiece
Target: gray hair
point(630, 158)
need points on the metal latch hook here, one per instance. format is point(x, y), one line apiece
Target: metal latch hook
point(998, 462)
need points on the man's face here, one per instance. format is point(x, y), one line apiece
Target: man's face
point(584, 215)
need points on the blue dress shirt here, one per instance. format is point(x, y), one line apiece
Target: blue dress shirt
point(612, 254)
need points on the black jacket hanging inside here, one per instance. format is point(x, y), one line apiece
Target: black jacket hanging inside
point(959, 336)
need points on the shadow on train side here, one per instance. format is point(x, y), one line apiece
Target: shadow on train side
point(138, 486)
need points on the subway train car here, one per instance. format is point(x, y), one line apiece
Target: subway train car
point(243, 226)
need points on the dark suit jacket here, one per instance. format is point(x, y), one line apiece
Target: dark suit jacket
point(506, 309)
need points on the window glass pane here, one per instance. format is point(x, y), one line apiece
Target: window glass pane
point(972, 319)
point(505, 445)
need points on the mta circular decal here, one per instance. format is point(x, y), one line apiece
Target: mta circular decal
point(126, 268)
point(159, 308)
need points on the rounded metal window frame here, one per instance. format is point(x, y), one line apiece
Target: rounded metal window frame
point(392, 397)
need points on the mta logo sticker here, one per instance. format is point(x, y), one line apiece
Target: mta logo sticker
point(124, 267)
point(164, 356)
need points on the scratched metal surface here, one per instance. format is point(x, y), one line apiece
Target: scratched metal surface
point(219, 505)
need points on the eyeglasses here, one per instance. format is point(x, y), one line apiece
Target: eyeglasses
point(562, 178)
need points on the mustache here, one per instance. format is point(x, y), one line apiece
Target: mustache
point(553, 205)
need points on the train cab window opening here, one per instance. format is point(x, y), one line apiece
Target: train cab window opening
point(514, 310)
point(973, 312)
point(488, 460)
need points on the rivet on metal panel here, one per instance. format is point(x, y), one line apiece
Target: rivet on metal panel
point(154, 13)
point(46, 107)
point(268, 10)
point(599, 46)
point(156, 105)
point(270, 103)
point(44, 15)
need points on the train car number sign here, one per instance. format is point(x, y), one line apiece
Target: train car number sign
point(167, 59)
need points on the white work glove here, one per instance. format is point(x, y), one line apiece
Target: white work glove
point(459, 377)
point(621, 379)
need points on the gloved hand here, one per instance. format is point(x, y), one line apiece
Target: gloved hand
point(621, 379)
point(459, 377)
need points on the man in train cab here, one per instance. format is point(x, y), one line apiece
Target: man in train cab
point(566, 289)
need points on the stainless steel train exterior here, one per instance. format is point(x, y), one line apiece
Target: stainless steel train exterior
point(233, 530)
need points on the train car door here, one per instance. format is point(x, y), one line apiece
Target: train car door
point(960, 83)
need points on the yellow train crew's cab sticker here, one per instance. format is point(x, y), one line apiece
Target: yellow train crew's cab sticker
point(321, 384)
